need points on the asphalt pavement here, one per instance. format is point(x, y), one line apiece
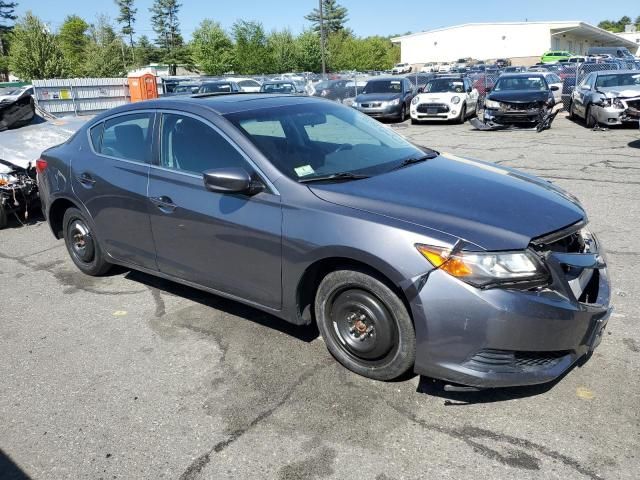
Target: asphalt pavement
point(132, 377)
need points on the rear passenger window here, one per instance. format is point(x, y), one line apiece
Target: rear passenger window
point(96, 136)
point(192, 146)
point(128, 137)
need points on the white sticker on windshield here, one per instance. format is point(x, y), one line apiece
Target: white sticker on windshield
point(533, 79)
point(304, 170)
point(395, 82)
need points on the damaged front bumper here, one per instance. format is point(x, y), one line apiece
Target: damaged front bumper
point(539, 118)
point(503, 337)
point(18, 191)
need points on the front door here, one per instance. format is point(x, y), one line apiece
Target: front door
point(227, 242)
point(110, 179)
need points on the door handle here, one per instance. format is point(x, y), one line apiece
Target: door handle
point(164, 203)
point(86, 179)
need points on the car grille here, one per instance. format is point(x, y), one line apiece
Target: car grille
point(490, 360)
point(430, 107)
point(520, 107)
point(372, 105)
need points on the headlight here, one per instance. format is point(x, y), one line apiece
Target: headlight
point(394, 102)
point(355, 105)
point(415, 101)
point(485, 269)
point(455, 100)
point(618, 103)
point(491, 104)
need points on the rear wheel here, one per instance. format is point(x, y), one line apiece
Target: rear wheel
point(572, 112)
point(364, 324)
point(82, 245)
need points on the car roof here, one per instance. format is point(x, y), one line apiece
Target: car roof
point(222, 103)
point(523, 74)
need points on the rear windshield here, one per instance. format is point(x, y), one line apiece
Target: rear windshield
point(521, 83)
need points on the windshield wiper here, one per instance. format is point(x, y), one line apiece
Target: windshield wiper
point(414, 160)
point(334, 176)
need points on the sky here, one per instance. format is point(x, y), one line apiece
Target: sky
point(366, 17)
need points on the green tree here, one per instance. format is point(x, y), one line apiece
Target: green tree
point(35, 53)
point(73, 40)
point(127, 18)
point(616, 27)
point(251, 51)
point(308, 51)
point(146, 52)
point(284, 51)
point(164, 19)
point(105, 51)
point(7, 16)
point(335, 16)
point(212, 48)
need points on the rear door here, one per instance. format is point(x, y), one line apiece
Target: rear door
point(110, 180)
point(227, 242)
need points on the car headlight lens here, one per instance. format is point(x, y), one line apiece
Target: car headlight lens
point(486, 269)
point(455, 100)
point(491, 103)
point(618, 103)
point(415, 101)
point(394, 102)
point(355, 105)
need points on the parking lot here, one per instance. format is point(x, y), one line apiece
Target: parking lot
point(130, 376)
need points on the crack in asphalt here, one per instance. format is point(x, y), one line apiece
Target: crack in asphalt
point(196, 467)
point(516, 459)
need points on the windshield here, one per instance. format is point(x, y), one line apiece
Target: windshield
point(618, 80)
point(215, 87)
point(10, 90)
point(317, 139)
point(383, 86)
point(520, 83)
point(444, 85)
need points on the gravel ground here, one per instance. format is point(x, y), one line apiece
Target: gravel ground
point(132, 377)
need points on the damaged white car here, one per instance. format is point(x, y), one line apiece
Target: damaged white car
point(604, 98)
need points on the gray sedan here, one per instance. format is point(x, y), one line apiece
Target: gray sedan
point(603, 97)
point(405, 258)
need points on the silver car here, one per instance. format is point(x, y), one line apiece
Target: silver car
point(603, 97)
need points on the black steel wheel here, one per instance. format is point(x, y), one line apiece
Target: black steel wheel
point(589, 118)
point(82, 245)
point(365, 325)
point(463, 114)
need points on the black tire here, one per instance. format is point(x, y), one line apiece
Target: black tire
point(572, 112)
point(463, 114)
point(4, 218)
point(414, 122)
point(589, 119)
point(403, 113)
point(364, 324)
point(82, 244)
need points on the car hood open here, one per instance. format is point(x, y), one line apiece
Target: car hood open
point(520, 96)
point(493, 207)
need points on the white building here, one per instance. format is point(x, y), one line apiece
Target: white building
point(522, 42)
point(633, 37)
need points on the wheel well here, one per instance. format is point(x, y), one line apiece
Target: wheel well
point(313, 275)
point(56, 215)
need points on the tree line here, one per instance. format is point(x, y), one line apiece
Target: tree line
point(618, 27)
point(31, 50)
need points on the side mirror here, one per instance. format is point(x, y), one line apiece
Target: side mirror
point(420, 90)
point(231, 180)
point(585, 87)
point(554, 88)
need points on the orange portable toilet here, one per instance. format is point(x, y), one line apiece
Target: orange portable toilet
point(143, 87)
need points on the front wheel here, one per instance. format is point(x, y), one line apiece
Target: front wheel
point(365, 325)
point(403, 113)
point(463, 114)
point(590, 118)
point(82, 245)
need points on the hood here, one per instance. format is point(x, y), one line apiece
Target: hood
point(493, 207)
point(618, 92)
point(520, 96)
point(440, 97)
point(8, 98)
point(376, 97)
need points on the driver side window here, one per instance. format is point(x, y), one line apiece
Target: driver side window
point(190, 145)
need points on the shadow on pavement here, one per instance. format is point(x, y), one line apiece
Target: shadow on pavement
point(9, 470)
point(306, 333)
point(635, 144)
